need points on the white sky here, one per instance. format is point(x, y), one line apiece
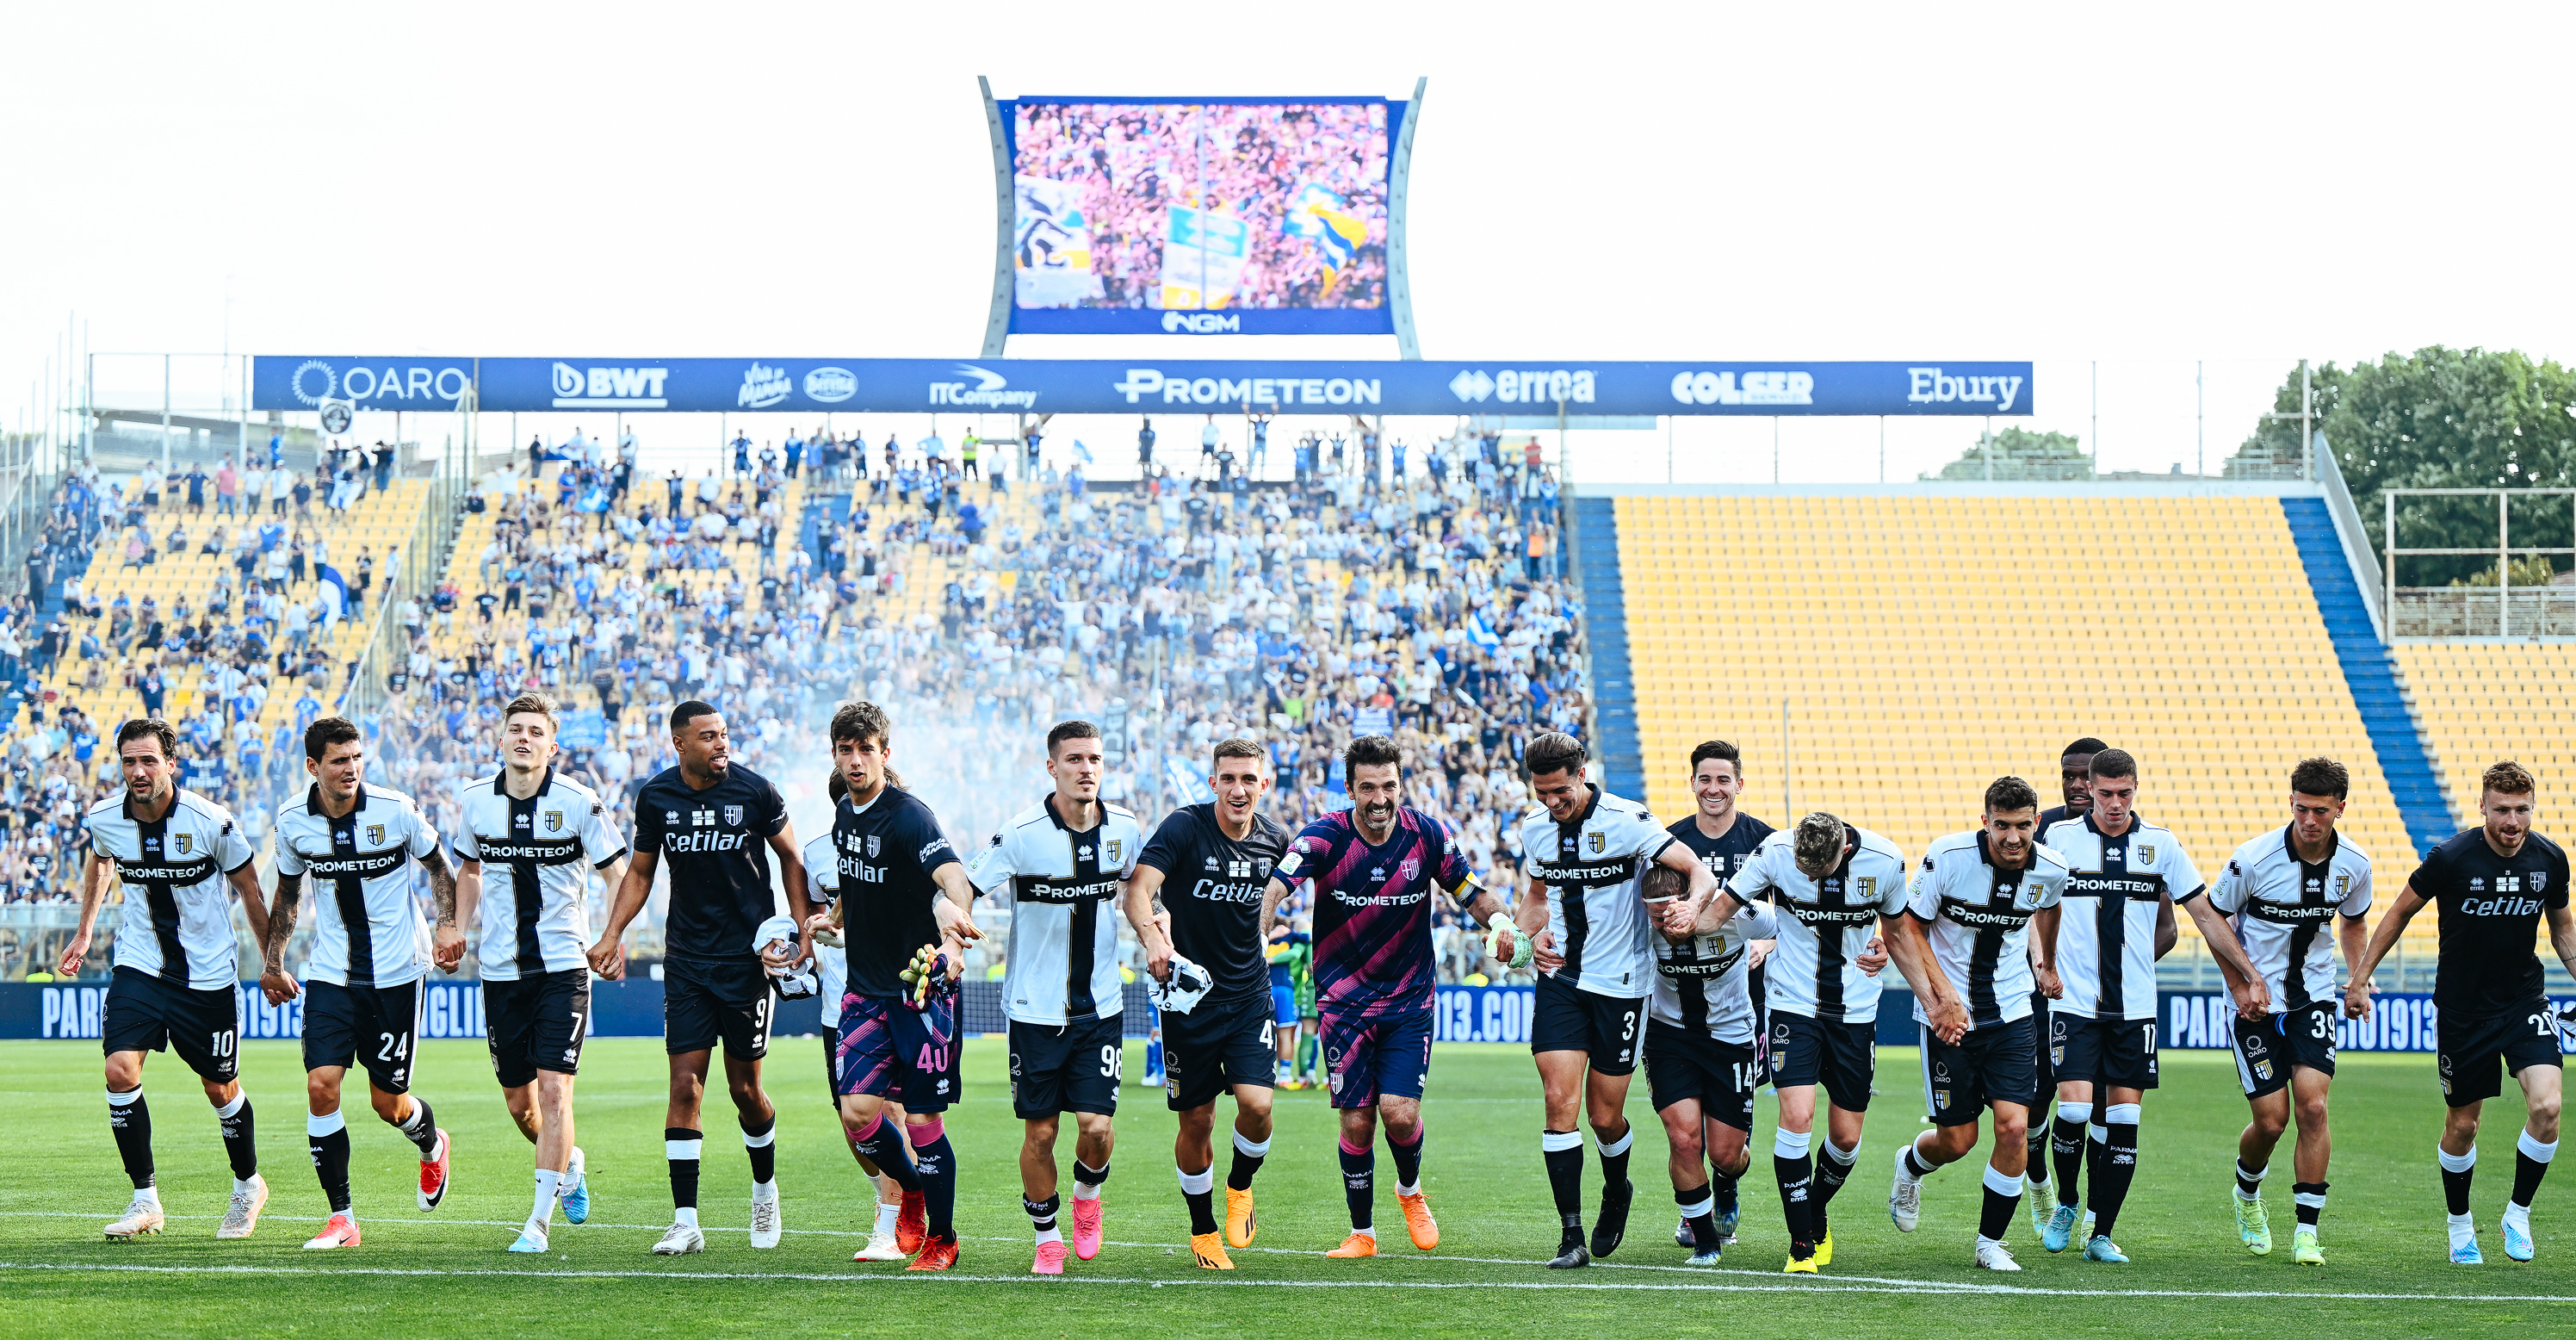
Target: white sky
point(2146, 186)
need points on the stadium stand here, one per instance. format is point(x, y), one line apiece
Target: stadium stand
point(1925, 640)
point(2489, 700)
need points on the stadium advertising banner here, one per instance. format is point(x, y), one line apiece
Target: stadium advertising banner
point(1103, 386)
point(1266, 216)
point(2190, 1020)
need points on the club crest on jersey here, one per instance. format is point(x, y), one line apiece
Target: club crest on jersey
point(1412, 866)
point(375, 833)
point(1598, 841)
point(2539, 878)
point(1866, 886)
point(183, 840)
point(2343, 884)
point(554, 821)
point(872, 844)
point(2146, 853)
point(1109, 851)
point(733, 815)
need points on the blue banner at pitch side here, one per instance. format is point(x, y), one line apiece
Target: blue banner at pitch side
point(1101, 386)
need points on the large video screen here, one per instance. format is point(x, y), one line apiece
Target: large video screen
point(1204, 216)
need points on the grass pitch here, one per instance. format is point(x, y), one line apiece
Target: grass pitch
point(447, 1273)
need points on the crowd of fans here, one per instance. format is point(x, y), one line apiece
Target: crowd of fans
point(1132, 162)
point(1375, 593)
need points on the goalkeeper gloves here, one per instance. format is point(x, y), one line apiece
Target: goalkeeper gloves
point(1522, 947)
point(926, 977)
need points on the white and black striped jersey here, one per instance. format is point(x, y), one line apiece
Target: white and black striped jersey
point(1701, 983)
point(178, 922)
point(1063, 963)
point(1590, 869)
point(1977, 915)
point(2106, 941)
point(535, 914)
point(2283, 908)
point(1824, 924)
point(367, 926)
point(822, 889)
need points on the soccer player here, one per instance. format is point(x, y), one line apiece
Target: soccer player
point(1972, 907)
point(1724, 839)
point(1589, 923)
point(370, 951)
point(1701, 1069)
point(1831, 884)
point(1197, 893)
point(903, 891)
point(544, 829)
point(2075, 782)
point(179, 860)
point(2282, 888)
point(1066, 861)
point(717, 822)
point(2116, 921)
point(832, 970)
point(1372, 868)
point(2494, 883)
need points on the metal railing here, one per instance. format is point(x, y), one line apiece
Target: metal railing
point(2484, 611)
point(2499, 606)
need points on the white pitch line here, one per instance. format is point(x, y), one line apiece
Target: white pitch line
point(1204, 1281)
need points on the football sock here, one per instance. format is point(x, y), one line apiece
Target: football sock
point(239, 1146)
point(328, 1139)
point(1789, 1163)
point(1915, 1165)
point(1042, 1216)
point(1614, 1159)
point(762, 1144)
point(2457, 1170)
point(883, 1145)
point(2249, 1181)
point(2311, 1200)
point(683, 1146)
point(132, 1122)
point(1153, 1056)
point(2119, 1166)
point(420, 1128)
point(888, 1212)
point(1699, 1209)
point(1408, 1162)
point(1087, 1180)
point(1199, 1189)
point(544, 1211)
point(1359, 1182)
point(2066, 1146)
point(1248, 1155)
point(938, 1166)
point(1564, 1153)
point(2095, 1137)
point(1723, 1183)
point(2037, 1178)
point(2530, 1164)
point(2003, 1196)
point(1833, 1165)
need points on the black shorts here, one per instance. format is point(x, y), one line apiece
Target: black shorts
point(1683, 1064)
point(376, 1026)
point(2041, 1064)
point(146, 1014)
point(536, 1023)
point(704, 1002)
point(2106, 1053)
point(1839, 1054)
point(1566, 1018)
point(1217, 1046)
point(1066, 1068)
point(2470, 1045)
point(1994, 1063)
point(2267, 1048)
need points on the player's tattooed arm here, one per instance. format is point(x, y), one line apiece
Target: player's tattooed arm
point(447, 942)
point(282, 911)
point(95, 875)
